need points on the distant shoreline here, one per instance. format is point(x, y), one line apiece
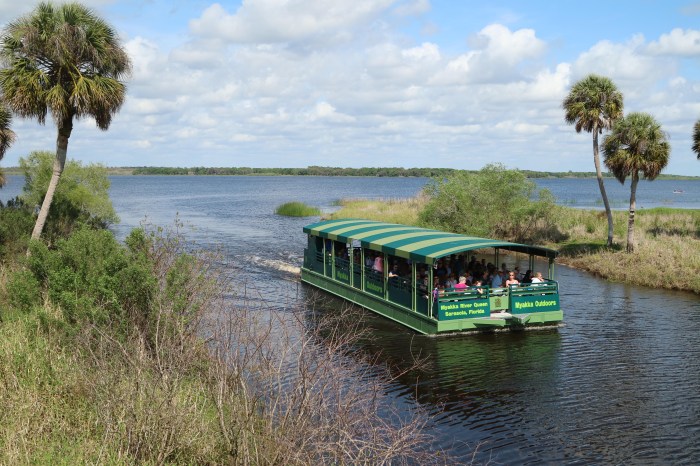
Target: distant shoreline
point(390, 172)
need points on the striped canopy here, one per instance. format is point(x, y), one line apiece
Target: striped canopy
point(418, 244)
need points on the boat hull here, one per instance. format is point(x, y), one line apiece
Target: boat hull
point(427, 325)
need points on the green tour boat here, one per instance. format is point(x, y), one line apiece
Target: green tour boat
point(409, 275)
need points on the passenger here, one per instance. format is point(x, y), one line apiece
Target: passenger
point(477, 285)
point(538, 278)
point(468, 277)
point(451, 281)
point(378, 263)
point(394, 272)
point(527, 278)
point(518, 275)
point(497, 280)
point(462, 285)
point(512, 280)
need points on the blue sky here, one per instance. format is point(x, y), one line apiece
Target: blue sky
point(352, 83)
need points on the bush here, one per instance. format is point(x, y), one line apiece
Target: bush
point(23, 290)
point(297, 209)
point(494, 202)
point(16, 222)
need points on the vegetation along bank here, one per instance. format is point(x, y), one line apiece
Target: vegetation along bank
point(668, 240)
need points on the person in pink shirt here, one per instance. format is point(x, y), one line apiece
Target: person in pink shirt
point(462, 285)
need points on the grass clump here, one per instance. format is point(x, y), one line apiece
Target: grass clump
point(297, 209)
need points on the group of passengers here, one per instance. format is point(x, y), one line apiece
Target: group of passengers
point(453, 272)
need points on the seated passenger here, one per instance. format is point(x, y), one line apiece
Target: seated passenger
point(497, 280)
point(527, 278)
point(512, 280)
point(378, 263)
point(394, 272)
point(538, 278)
point(477, 285)
point(462, 285)
point(451, 281)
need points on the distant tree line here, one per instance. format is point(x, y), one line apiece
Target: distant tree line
point(338, 171)
point(309, 171)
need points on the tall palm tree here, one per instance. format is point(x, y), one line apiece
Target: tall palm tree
point(636, 146)
point(593, 105)
point(7, 136)
point(696, 138)
point(67, 61)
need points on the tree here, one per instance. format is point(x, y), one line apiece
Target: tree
point(493, 202)
point(81, 199)
point(67, 61)
point(696, 138)
point(7, 136)
point(636, 146)
point(593, 105)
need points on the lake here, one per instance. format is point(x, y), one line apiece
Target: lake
point(617, 385)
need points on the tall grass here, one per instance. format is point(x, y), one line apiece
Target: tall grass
point(297, 209)
point(403, 211)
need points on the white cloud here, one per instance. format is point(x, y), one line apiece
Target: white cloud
point(279, 21)
point(497, 53)
point(679, 42)
point(236, 90)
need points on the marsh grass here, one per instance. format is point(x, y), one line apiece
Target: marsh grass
point(668, 240)
point(403, 211)
point(297, 209)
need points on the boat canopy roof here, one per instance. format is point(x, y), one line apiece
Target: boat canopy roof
point(418, 244)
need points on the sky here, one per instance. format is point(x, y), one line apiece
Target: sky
point(381, 83)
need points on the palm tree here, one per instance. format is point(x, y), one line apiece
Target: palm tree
point(593, 105)
point(67, 61)
point(7, 136)
point(636, 146)
point(696, 138)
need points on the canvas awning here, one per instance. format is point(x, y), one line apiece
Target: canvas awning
point(418, 244)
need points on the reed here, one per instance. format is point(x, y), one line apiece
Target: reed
point(297, 209)
point(404, 211)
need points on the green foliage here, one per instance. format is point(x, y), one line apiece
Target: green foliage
point(494, 202)
point(23, 290)
point(297, 209)
point(16, 222)
point(81, 198)
point(90, 276)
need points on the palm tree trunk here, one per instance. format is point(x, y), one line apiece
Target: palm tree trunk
point(64, 132)
point(633, 204)
point(599, 175)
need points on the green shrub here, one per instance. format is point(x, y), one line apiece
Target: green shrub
point(16, 223)
point(90, 276)
point(297, 209)
point(494, 202)
point(23, 290)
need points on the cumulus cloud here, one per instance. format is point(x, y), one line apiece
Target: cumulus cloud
point(679, 42)
point(234, 90)
point(275, 21)
point(497, 52)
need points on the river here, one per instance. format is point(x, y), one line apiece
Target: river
point(619, 384)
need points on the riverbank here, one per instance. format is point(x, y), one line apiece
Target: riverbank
point(668, 240)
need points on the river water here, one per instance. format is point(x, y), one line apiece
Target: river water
point(619, 384)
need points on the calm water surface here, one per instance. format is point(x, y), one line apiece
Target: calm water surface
point(619, 384)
